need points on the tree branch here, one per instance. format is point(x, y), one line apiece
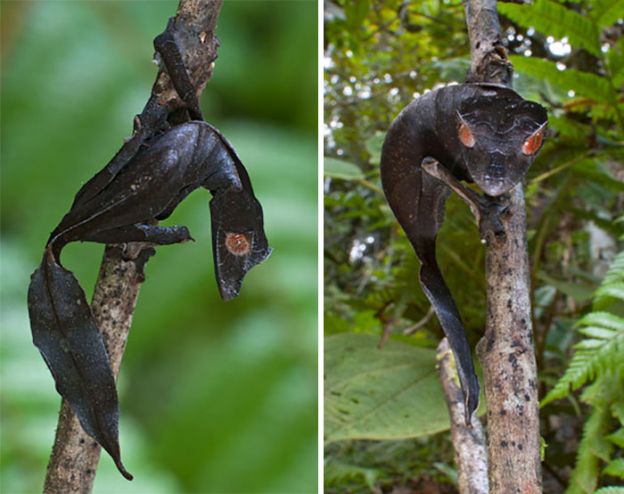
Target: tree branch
point(468, 442)
point(506, 351)
point(75, 455)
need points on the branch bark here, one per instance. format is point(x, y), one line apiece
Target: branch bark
point(506, 351)
point(75, 455)
point(468, 442)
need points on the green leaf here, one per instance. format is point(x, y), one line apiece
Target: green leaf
point(610, 490)
point(615, 61)
point(374, 145)
point(615, 274)
point(599, 333)
point(569, 128)
point(553, 19)
point(583, 83)
point(616, 291)
point(585, 475)
point(356, 11)
point(593, 170)
point(372, 393)
point(617, 438)
point(589, 344)
point(615, 468)
point(607, 12)
point(337, 472)
point(605, 319)
point(576, 291)
point(344, 170)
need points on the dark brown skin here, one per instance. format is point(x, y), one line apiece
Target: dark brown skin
point(479, 133)
point(152, 173)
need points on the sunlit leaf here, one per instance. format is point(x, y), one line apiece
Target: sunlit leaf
point(578, 292)
point(551, 18)
point(607, 12)
point(388, 393)
point(583, 83)
point(344, 170)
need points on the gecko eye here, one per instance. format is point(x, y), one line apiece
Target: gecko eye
point(465, 135)
point(533, 143)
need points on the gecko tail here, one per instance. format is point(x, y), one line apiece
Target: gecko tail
point(444, 306)
point(66, 334)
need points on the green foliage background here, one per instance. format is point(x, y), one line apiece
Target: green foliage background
point(215, 397)
point(379, 55)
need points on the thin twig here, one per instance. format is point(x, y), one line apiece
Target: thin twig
point(419, 324)
point(75, 455)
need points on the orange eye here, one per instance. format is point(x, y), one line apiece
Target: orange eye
point(237, 243)
point(465, 135)
point(533, 143)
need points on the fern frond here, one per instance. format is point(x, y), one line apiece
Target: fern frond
point(585, 84)
point(616, 290)
point(553, 19)
point(594, 356)
point(610, 490)
point(613, 284)
point(618, 410)
point(602, 319)
point(598, 358)
point(615, 468)
point(585, 476)
point(603, 349)
point(615, 274)
point(597, 334)
point(617, 437)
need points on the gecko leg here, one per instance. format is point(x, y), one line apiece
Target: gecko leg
point(167, 46)
point(485, 209)
point(161, 235)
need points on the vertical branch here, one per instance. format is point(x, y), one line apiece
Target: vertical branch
point(506, 351)
point(507, 356)
point(488, 56)
point(75, 455)
point(468, 442)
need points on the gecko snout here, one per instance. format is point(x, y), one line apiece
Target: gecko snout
point(495, 179)
point(495, 171)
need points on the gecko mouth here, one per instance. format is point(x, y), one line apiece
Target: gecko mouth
point(494, 181)
point(493, 186)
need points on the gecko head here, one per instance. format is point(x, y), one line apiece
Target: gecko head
point(239, 240)
point(500, 134)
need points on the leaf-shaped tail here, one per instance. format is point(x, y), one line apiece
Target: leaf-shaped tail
point(422, 234)
point(68, 338)
point(444, 306)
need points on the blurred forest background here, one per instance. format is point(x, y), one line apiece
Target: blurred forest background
point(383, 408)
point(215, 397)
